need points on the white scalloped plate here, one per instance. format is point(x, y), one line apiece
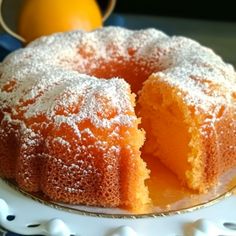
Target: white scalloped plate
point(48, 220)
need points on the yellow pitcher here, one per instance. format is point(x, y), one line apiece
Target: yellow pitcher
point(43, 17)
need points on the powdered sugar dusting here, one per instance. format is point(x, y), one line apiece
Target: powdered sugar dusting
point(201, 76)
point(47, 76)
point(52, 88)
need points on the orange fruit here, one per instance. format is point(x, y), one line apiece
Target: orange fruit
point(44, 17)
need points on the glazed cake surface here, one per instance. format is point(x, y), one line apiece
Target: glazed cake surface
point(68, 124)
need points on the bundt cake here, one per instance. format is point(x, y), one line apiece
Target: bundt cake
point(68, 119)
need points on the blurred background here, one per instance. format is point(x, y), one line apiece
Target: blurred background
point(194, 9)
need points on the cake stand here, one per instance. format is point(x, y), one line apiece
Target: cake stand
point(26, 215)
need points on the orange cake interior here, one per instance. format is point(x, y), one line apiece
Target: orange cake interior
point(172, 133)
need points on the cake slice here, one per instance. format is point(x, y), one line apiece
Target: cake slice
point(190, 121)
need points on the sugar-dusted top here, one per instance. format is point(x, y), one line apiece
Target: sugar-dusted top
point(50, 73)
point(44, 89)
point(204, 79)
